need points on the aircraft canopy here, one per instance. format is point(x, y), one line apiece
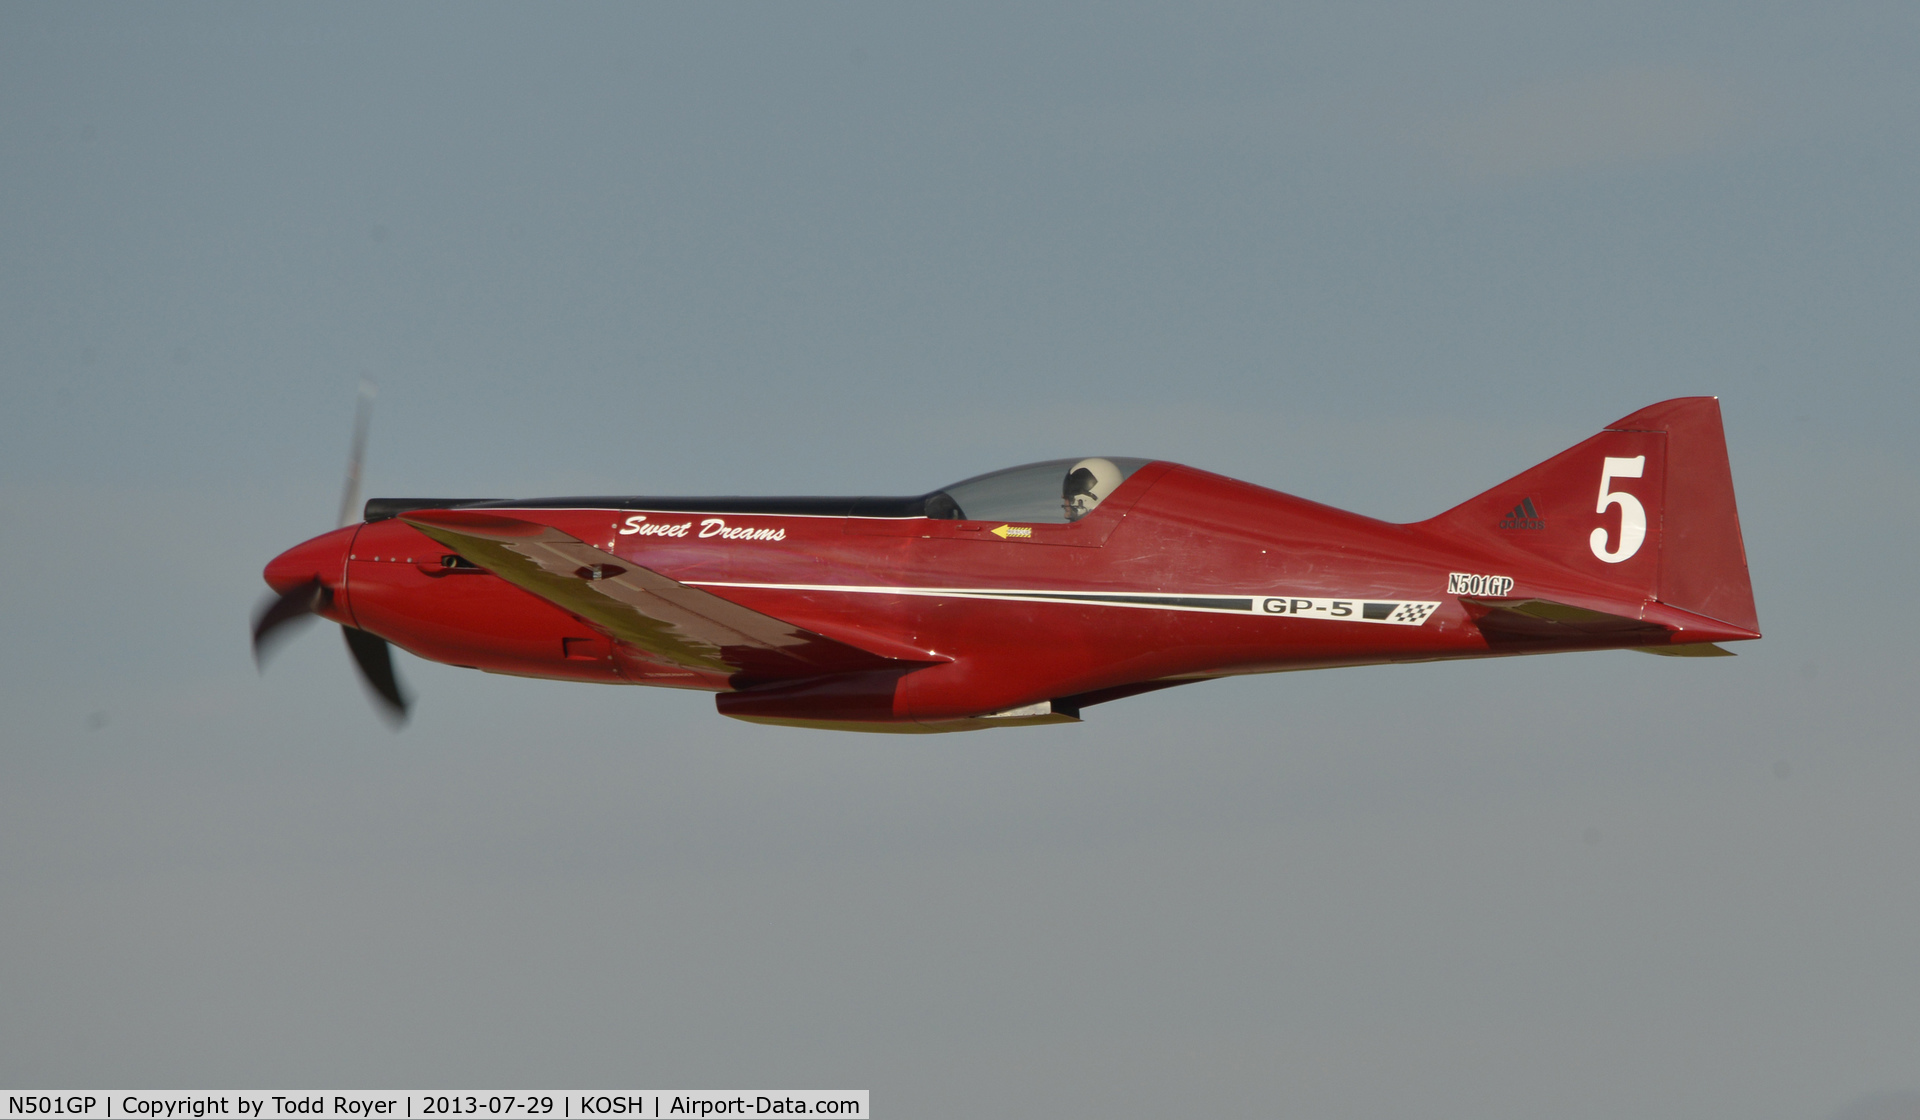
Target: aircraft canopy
point(1058, 490)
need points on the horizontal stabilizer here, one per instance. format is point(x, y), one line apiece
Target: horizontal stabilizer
point(1541, 625)
point(1696, 649)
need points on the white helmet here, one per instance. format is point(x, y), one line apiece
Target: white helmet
point(1087, 485)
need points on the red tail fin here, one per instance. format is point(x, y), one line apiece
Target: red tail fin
point(1646, 508)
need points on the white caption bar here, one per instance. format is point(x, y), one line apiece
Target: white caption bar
point(94, 1104)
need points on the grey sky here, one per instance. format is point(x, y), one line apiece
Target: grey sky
point(1378, 256)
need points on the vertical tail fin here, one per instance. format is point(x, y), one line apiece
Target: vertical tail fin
point(1644, 509)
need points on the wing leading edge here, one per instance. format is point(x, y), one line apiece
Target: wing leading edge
point(666, 619)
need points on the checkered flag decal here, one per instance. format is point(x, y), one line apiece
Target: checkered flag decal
point(1390, 612)
point(1412, 614)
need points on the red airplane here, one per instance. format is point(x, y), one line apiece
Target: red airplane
point(1024, 596)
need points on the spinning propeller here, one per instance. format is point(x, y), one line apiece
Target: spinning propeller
point(301, 602)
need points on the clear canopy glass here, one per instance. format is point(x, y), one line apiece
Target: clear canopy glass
point(1058, 490)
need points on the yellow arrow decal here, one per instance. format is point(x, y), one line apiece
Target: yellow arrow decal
point(1005, 531)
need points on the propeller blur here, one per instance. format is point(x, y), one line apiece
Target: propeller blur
point(313, 597)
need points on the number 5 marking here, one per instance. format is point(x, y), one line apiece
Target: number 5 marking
point(1633, 516)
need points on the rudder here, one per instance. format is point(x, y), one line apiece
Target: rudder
point(1645, 507)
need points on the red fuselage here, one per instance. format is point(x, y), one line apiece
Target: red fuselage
point(1178, 575)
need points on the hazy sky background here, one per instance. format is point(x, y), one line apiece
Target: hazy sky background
point(1378, 256)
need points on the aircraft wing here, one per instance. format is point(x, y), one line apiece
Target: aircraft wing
point(638, 606)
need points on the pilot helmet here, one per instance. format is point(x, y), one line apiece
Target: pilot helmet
point(1087, 485)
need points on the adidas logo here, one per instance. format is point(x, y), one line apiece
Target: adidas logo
point(1524, 516)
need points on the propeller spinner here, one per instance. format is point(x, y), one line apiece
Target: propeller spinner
point(308, 576)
